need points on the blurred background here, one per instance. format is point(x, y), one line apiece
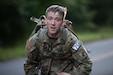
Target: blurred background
point(92, 20)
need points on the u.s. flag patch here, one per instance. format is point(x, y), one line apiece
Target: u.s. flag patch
point(76, 45)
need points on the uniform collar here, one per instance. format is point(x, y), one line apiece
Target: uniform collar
point(60, 40)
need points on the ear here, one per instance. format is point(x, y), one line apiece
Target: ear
point(63, 22)
point(45, 20)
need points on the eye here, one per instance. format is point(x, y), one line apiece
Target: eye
point(49, 18)
point(58, 19)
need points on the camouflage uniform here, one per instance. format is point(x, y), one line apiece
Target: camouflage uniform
point(66, 54)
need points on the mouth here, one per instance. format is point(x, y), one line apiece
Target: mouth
point(52, 28)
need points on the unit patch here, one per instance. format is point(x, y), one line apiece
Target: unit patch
point(76, 45)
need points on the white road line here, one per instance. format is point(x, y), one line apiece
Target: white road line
point(102, 56)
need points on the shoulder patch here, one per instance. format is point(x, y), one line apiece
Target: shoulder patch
point(76, 45)
point(28, 45)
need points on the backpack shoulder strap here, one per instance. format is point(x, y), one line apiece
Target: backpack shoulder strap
point(40, 24)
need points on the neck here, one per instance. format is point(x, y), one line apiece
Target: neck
point(55, 35)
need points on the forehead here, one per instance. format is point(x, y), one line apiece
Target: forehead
point(54, 14)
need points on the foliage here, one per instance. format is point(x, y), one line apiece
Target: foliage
point(80, 15)
point(104, 11)
point(12, 26)
point(84, 14)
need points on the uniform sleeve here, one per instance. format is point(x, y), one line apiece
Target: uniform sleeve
point(31, 64)
point(82, 61)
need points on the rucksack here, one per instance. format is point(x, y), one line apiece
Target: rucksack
point(40, 24)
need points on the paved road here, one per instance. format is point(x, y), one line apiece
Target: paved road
point(101, 54)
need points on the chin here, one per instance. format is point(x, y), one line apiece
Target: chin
point(52, 33)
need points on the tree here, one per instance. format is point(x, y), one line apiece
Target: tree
point(15, 16)
point(11, 27)
point(104, 11)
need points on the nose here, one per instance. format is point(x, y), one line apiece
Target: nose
point(53, 22)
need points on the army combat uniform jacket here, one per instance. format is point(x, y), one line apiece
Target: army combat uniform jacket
point(66, 54)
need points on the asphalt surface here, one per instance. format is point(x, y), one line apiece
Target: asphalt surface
point(101, 55)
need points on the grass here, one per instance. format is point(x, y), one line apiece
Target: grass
point(19, 50)
point(12, 52)
point(103, 33)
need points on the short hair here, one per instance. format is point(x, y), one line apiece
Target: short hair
point(56, 8)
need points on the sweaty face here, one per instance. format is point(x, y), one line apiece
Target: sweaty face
point(54, 22)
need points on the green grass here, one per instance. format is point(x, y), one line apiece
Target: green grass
point(19, 50)
point(12, 52)
point(103, 33)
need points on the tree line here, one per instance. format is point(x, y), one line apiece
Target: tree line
point(85, 15)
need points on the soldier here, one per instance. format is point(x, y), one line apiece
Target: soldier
point(54, 50)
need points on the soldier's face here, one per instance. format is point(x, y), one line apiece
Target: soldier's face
point(54, 22)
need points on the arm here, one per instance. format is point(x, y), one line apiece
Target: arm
point(31, 63)
point(82, 62)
